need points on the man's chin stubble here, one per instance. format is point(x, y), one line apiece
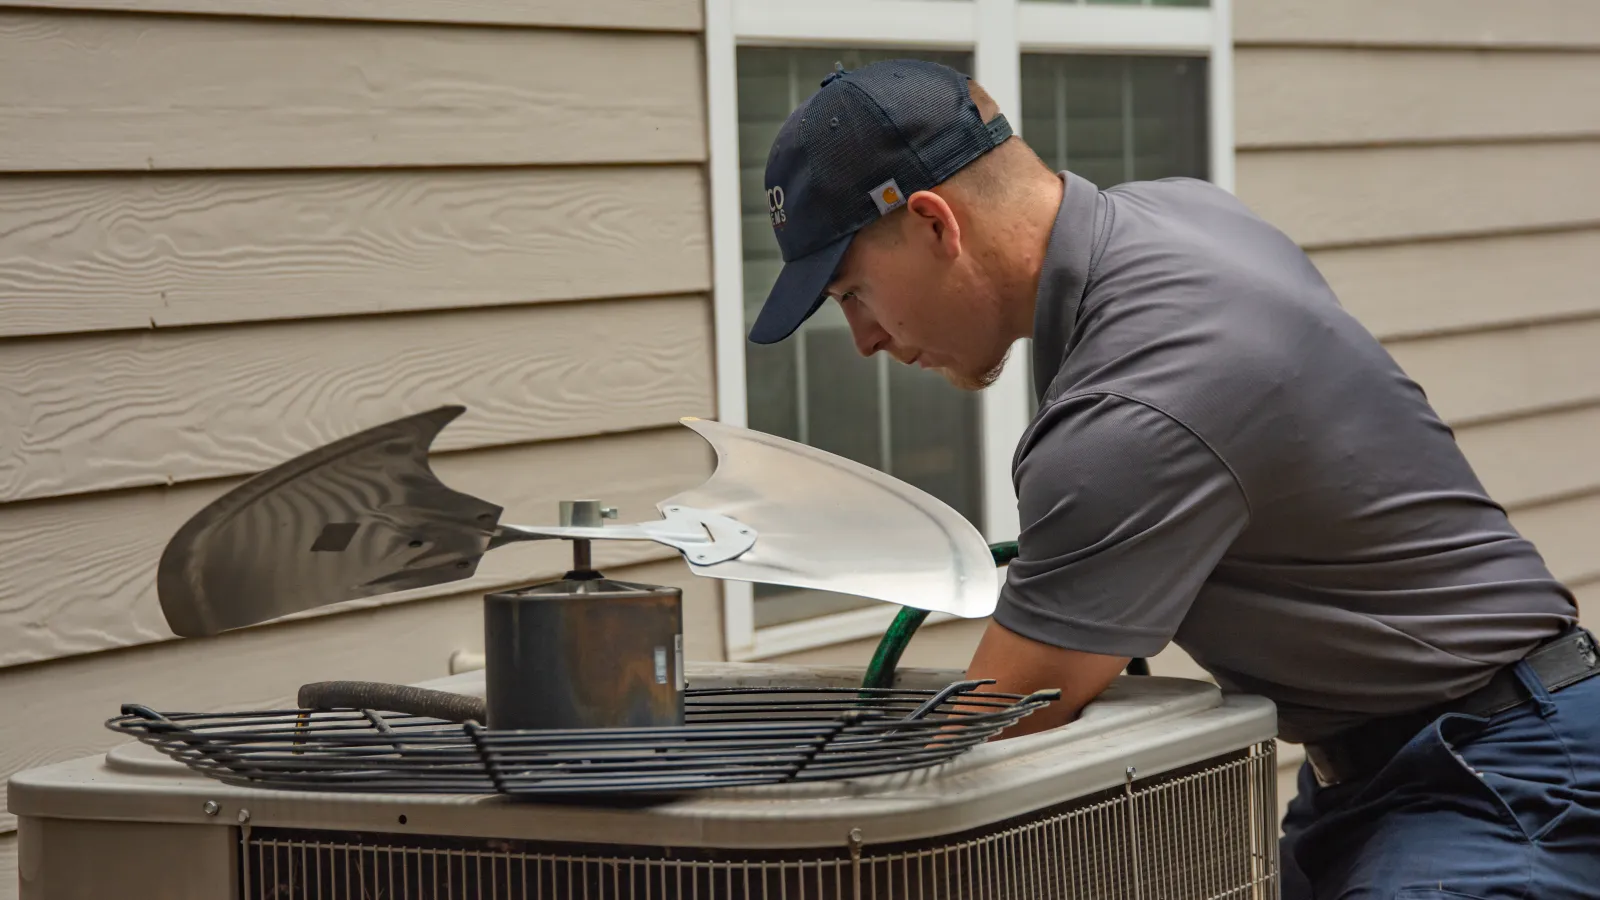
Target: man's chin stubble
point(965, 382)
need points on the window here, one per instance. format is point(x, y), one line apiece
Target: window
point(1116, 118)
point(1115, 90)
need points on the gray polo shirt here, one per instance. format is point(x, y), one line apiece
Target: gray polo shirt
point(1224, 458)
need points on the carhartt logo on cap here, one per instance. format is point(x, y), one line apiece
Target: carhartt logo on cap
point(887, 197)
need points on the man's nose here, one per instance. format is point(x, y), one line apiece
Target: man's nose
point(868, 337)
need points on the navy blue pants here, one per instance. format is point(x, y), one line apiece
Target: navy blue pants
point(1471, 809)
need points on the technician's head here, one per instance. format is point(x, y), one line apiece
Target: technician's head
point(901, 194)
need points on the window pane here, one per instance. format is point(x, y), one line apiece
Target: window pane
point(814, 387)
point(1117, 118)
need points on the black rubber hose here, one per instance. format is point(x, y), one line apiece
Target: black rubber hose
point(397, 698)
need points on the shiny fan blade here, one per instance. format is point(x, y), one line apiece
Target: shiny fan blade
point(362, 516)
point(365, 515)
point(825, 522)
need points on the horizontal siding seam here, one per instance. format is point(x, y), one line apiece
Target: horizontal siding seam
point(1580, 581)
point(1245, 147)
point(701, 293)
point(1490, 46)
point(71, 495)
point(1561, 227)
point(1407, 336)
point(1583, 583)
point(1577, 227)
point(1526, 412)
point(56, 10)
point(1539, 501)
point(687, 162)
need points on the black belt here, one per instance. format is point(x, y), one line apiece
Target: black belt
point(1367, 748)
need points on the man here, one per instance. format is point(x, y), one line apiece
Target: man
point(1222, 458)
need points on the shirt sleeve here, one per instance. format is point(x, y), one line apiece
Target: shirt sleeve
point(1125, 512)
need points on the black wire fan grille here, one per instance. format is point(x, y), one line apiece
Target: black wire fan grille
point(733, 737)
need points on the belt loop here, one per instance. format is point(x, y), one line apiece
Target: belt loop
point(1535, 685)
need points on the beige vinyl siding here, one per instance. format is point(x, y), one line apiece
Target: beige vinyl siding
point(114, 251)
point(1564, 531)
point(1517, 370)
point(1538, 458)
point(126, 409)
point(1421, 289)
point(199, 92)
point(1336, 196)
point(1437, 158)
point(102, 409)
point(650, 15)
point(230, 232)
point(1299, 96)
point(1496, 24)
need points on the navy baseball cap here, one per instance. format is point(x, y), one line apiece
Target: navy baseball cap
point(851, 154)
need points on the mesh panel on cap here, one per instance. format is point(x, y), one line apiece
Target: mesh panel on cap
point(852, 149)
point(933, 111)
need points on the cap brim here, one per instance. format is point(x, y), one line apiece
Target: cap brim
point(798, 292)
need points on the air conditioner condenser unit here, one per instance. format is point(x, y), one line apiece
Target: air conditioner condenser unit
point(1163, 790)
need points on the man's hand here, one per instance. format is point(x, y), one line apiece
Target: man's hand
point(1020, 665)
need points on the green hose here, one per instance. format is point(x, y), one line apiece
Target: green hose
point(880, 671)
point(1003, 552)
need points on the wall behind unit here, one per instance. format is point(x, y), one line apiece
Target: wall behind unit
point(233, 231)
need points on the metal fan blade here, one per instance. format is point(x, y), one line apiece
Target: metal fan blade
point(362, 516)
point(826, 522)
point(365, 515)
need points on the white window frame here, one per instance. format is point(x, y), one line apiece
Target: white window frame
point(997, 32)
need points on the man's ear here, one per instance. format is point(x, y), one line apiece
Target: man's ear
point(933, 213)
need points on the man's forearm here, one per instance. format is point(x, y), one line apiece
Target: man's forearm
point(1020, 665)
